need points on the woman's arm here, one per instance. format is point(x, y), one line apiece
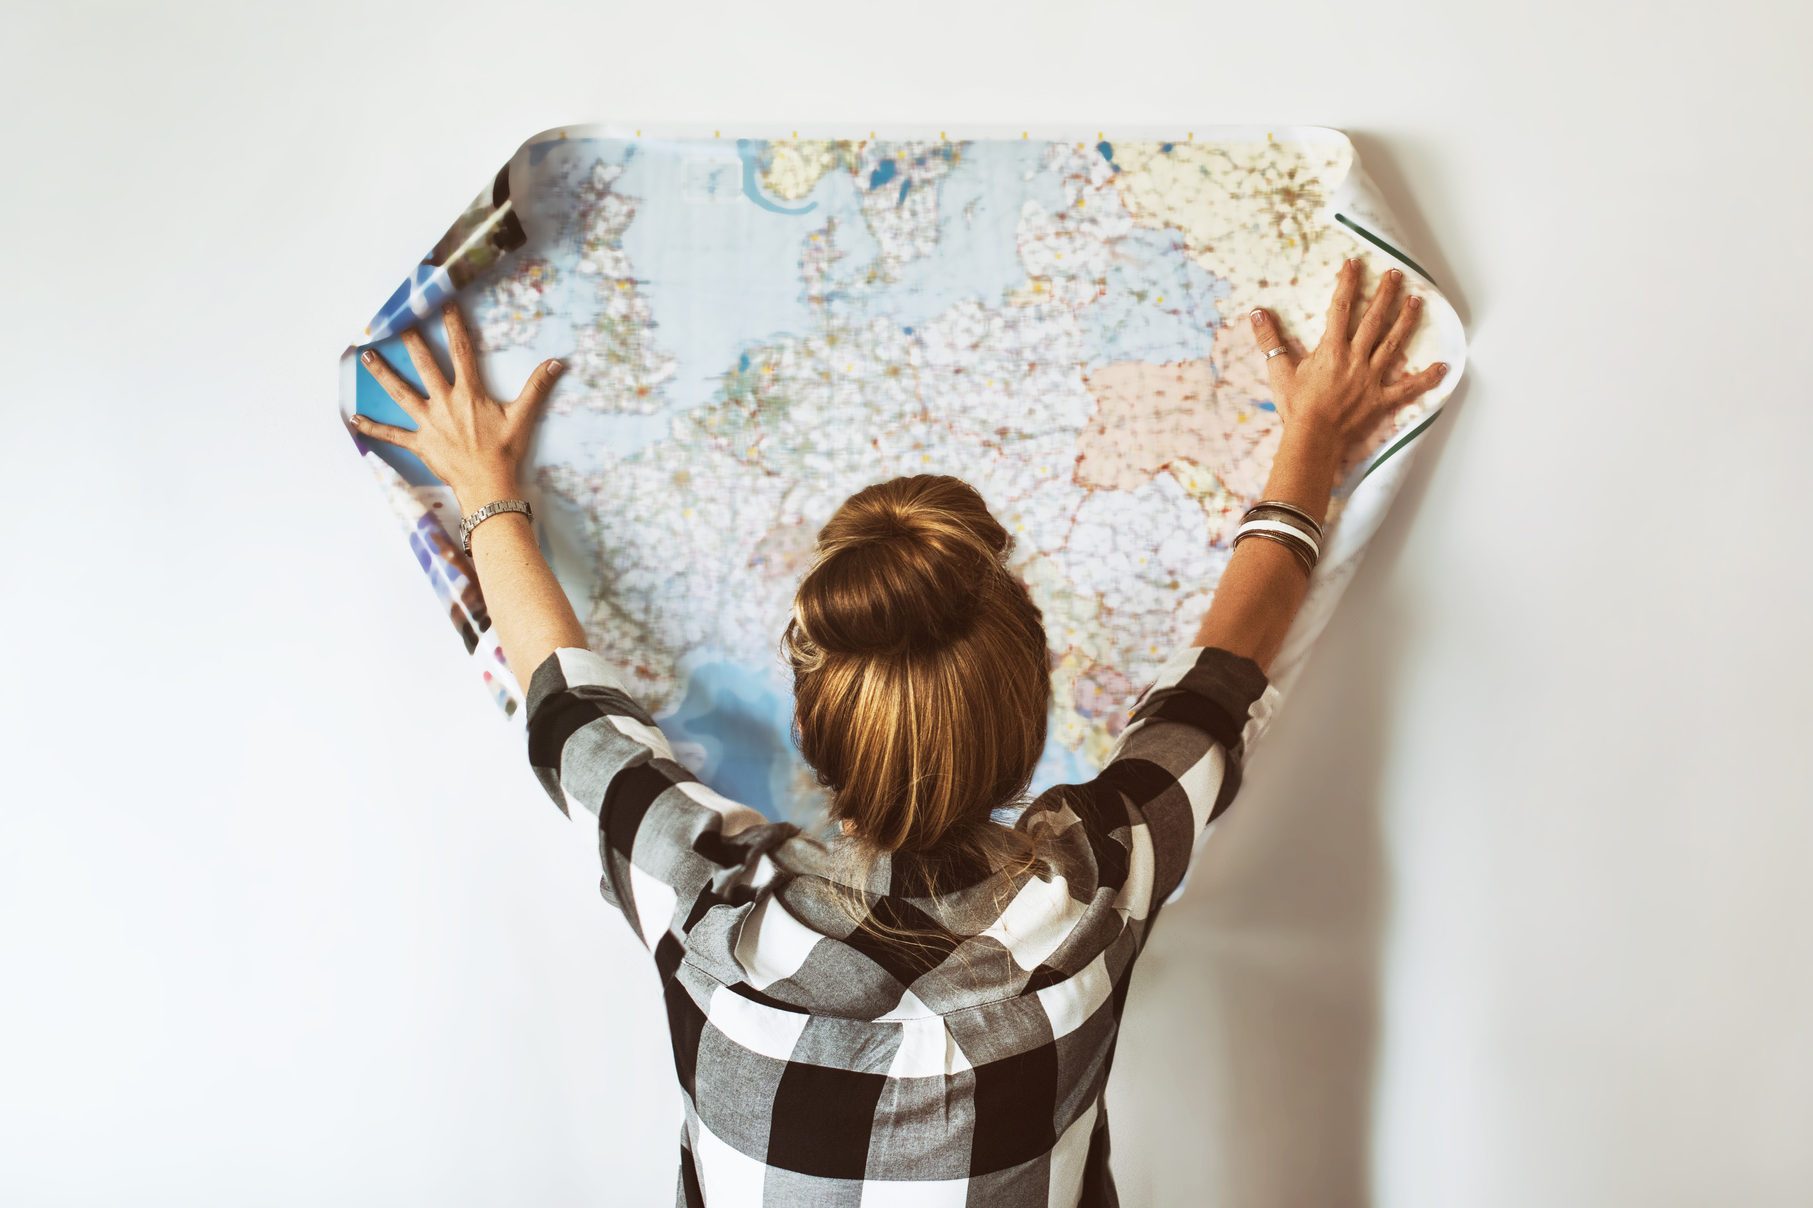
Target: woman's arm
point(475, 446)
point(1331, 403)
point(532, 614)
point(1177, 764)
point(667, 841)
point(1263, 584)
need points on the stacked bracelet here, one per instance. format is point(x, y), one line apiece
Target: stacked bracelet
point(1285, 523)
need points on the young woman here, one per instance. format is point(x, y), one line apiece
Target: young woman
point(923, 1008)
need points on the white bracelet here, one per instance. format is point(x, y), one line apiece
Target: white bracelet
point(1289, 509)
point(1283, 529)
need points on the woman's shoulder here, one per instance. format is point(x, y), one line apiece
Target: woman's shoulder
point(813, 937)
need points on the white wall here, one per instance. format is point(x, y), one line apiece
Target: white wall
point(1513, 909)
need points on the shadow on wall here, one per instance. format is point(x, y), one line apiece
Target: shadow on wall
point(1247, 1064)
point(1245, 1072)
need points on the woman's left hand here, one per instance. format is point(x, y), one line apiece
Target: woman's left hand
point(471, 442)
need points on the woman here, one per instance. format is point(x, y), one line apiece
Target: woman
point(922, 1009)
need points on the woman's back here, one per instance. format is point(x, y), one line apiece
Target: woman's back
point(825, 1059)
point(914, 1033)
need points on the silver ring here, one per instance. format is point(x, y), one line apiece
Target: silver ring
point(1274, 352)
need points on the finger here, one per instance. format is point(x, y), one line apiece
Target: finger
point(534, 392)
point(1401, 392)
point(1280, 363)
point(1340, 307)
point(1366, 338)
point(459, 346)
point(403, 438)
point(394, 384)
point(1392, 346)
point(422, 356)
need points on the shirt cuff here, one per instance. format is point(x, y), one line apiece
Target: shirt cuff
point(1226, 694)
point(568, 667)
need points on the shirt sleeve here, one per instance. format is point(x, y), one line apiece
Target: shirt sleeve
point(1176, 766)
point(670, 845)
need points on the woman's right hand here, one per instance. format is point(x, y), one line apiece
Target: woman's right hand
point(1352, 382)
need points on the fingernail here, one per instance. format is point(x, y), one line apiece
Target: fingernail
point(1414, 302)
point(1258, 317)
point(554, 368)
point(358, 419)
point(1442, 368)
point(1393, 274)
point(367, 356)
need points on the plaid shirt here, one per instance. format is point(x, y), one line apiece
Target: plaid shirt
point(821, 1067)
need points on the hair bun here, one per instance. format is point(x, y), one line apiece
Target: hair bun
point(908, 568)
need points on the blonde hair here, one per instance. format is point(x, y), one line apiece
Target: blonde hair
point(921, 677)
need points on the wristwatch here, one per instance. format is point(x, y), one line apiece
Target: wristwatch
point(468, 523)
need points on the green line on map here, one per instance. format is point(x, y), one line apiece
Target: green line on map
point(1371, 238)
point(1398, 444)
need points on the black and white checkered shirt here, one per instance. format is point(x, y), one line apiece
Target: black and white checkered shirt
point(821, 1067)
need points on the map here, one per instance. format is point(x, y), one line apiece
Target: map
point(754, 329)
